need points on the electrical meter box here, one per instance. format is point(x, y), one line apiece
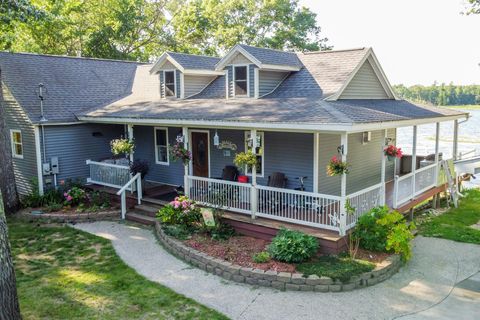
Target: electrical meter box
point(55, 167)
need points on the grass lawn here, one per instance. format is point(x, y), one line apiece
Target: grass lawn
point(341, 268)
point(455, 223)
point(63, 273)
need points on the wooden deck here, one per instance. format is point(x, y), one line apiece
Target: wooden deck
point(412, 203)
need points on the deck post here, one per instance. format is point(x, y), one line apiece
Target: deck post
point(414, 159)
point(130, 137)
point(186, 186)
point(316, 147)
point(384, 165)
point(343, 186)
point(437, 155)
point(455, 140)
point(253, 190)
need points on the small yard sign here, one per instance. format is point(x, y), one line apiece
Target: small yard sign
point(208, 217)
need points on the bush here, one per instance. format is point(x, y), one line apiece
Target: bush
point(181, 211)
point(177, 231)
point(261, 257)
point(292, 246)
point(74, 196)
point(372, 236)
point(34, 199)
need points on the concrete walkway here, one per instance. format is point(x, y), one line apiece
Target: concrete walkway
point(441, 281)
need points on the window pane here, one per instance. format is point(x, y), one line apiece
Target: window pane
point(170, 90)
point(17, 137)
point(18, 149)
point(162, 153)
point(170, 83)
point(240, 73)
point(169, 77)
point(240, 88)
point(161, 137)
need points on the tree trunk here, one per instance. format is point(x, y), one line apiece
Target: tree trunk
point(9, 307)
point(7, 177)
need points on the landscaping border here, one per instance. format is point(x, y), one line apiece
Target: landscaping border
point(277, 280)
point(72, 217)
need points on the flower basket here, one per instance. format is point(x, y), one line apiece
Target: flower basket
point(122, 146)
point(179, 152)
point(336, 167)
point(393, 152)
point(245, 159)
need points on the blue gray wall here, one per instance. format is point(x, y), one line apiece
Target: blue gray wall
point(251, 79)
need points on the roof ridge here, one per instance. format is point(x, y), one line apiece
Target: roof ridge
point(278, 50)
point(191, 54)
point(334, 51)
point(70, 57)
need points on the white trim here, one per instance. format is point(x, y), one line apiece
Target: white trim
point(203, 72)
point(316, 157)
point(275, 67)
point(38, 155)
point(297, 127)
point(165, 84)
point(163, 163)
point(190, 165)
point(256, 81)
point(247, 79)
point(13, 143)
point(227, 88)
point(165, 57)
point(262, 134)
point(182, 86)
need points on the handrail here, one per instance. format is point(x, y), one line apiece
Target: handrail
point(138, 178)
point(305, 193)
point(105, 164)
point(233, 183)
point(378, 185)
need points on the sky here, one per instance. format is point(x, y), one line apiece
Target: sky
point(416, 41)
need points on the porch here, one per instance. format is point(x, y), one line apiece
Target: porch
point(319, 203)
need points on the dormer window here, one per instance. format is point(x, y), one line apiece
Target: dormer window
point(170, 87)
point(240, 81)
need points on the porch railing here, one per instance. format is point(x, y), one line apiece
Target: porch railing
point(409, 186)
point(363, 201)
point(109, 175)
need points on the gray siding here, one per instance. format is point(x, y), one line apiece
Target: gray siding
point(230, 81)
point(251, 80)
point(25, 169)
point(193, 84)
point(74, 144)
point(218, 160)
point(269, 80)
point(240, 59)
point(328, 144)
point(145, 150)
point(365, 85)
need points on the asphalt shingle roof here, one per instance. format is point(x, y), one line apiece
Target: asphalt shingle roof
point(191, 61)
point(73, 84)
point(270, 56)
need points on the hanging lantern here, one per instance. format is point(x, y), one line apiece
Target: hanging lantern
point(216, 139)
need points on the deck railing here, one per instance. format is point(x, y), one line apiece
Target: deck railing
point(409, 186)
point(363, 201)
point(109, 175)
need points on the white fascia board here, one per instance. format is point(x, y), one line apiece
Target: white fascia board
point(202, 72)
point(165, 57)
point(275, 67)
point(236, 49)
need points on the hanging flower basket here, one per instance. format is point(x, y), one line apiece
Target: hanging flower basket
point(336, 167)
point(122, 146)
point(179, 152)
point(393, 152)
point(245, 159)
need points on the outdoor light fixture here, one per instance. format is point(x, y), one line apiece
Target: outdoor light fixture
point(340, 149)
point(216, 139)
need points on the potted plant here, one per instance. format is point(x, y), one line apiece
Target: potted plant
point(393, 152)
point(336, 167)
point(179, 152)
point(244, 160)
point(122, 146)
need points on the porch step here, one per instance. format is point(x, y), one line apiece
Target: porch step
point(154, 202)
point(140, 218)
point(147, 210)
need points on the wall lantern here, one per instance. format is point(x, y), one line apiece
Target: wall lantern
point(216, 139)
point(340, 149)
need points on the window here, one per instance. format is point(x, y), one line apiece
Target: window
point(240, 80)
point(161, 146)
point(260, 152)
point(17, 145)
point(170, 87)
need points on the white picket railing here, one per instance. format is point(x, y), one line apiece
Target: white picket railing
point(228, 195)
point(409, 186)
point(109, 175)
point(300, 207)
point(363, 201)
point(128, 186)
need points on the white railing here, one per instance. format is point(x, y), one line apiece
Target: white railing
point(109, 175)
point(363, 201)
point(300, 207)
point(409, 186)
point(128, 186)
point(227, 195)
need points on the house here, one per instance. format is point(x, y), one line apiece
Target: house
point(295, 110)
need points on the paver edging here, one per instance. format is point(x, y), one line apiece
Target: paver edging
point(72, 217)
point(278, 280)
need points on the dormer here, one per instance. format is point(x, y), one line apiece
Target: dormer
point(184, 75)
point(253, 72)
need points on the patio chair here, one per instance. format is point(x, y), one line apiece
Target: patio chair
point(274, 202)
point(277, 180)
point(230, 173)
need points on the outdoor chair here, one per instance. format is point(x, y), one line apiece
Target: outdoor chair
point(277, 180)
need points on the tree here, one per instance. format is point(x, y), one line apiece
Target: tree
point(9, 307)
point(473, 7)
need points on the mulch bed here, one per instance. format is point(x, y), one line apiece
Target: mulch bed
point(239, 250)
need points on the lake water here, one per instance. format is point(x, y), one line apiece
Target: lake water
point(468, 137)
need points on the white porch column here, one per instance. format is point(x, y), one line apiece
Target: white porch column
point(414, 159)
point(253, 190)
point(316, 147)
point(437, 148)
point(455, 140)
point(384, 165)
point(343, 186)
point(130, 137)
point(186, 141)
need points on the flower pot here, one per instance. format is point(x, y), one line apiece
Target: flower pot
point(242, 179)
point(391, 158)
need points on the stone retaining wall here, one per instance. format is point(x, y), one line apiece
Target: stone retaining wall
point(72, 217)
point(277, 280)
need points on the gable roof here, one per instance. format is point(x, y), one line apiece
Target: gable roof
point(188, 63)
point(73, 84)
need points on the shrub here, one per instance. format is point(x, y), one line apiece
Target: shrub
point(181, 211)
point(372, 236)
point(292, 246)
point(399, 239)
point(49, 198)
point(139, 166)
point(261, 257)
point(177, 231)
point(74, 196)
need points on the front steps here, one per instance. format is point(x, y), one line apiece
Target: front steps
point(145, 213)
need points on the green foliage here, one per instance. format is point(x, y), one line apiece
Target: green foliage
point(341, 268)
point(74, 196)
point(261, 257)
point(292, 246)
point(382, 230)
point(440, 95)
point(178, 231)
point(122, 146)
point(243, 159)
point(50, 197)
point(181, 211)
point(473, 8)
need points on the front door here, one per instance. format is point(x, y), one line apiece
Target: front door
point(200, 154)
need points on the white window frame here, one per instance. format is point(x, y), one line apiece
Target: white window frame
point(163, 163)
point(235, 77)
point(13, 143)
point(262, 134)
point(165, 83)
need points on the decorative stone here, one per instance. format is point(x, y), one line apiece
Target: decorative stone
point(264, 283)
point(227, 275)
point(257, 273)
point(335, 287)
point(312, 280)
point(270, 275)
point(325, 280)
point(278, 285)
point(233, 269)
point(218, 271)
point(244, 271)
point(348, 287)
point(297, 278)
point(238, 278)
point(292, 287)
point(305, 287)
point(284, 276)
point(252, 281)
point(321, 288)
